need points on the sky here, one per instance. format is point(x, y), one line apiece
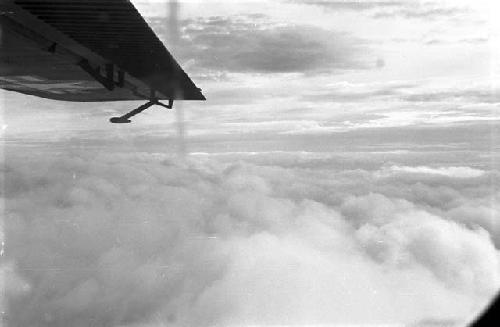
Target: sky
point(343, 170)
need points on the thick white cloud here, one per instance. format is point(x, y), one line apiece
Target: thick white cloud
point(136, 240)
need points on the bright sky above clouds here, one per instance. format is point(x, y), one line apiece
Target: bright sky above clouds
point(406, 62)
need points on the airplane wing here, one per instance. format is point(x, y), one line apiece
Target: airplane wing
point(86, 50)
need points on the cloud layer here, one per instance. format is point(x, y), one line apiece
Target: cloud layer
point(237, 239)
point(429, 10)
point(256, 44)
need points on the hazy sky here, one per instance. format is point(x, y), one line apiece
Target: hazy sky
point(343, 170)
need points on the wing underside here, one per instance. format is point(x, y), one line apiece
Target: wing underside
point(86, 51)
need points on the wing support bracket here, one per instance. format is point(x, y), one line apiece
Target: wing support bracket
point(106, 81)
point(125, 118)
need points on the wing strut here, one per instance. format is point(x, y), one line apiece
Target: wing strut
point(125, 118)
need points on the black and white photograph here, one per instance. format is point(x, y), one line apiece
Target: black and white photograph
point(175, 163)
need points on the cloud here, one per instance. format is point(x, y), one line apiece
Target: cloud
point(424, 12)
point(421, 237)
point(470, 40)
point(352, 92)
point(429, 10)
point(353, 5)
point(477, 95)
point(125, 240)
point(251, 43)
point(405, 91)
point(454, 172)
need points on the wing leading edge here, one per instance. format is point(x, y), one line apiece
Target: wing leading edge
point(86, 50)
